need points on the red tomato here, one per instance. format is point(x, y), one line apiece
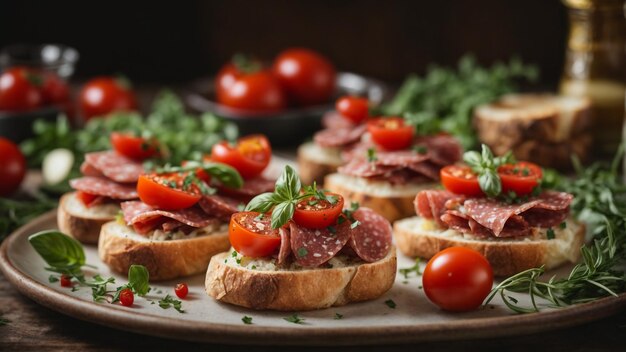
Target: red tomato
point(250, 156)
point(104, 95)
point(54, 89)
point(520, 178)
point(66, 281)
point(19, 89)
point(201, 174)
point(86, 198)
point(460, 179)
point(307, 77)
point(127, 297)
point(12, 167)
point(255, 90)
point(354, 109)
point(134, 147)
point(457, 279)
point(181, 290)
point(318, 214)
point(165, 191)
point(391, 133)
point(253, 236)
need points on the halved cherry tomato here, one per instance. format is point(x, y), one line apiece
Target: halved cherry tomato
point(166, 191)
point(457, 279)
point(391, 133)
point(521, 177)
point(134, 147)
point(354, 109)
point(252, 235)
point(66, 281)
point(460, 179)
point(86, 198)
point(318, 213)
point(250, 156)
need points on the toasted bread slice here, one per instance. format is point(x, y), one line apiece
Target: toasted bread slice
point(391, 201)
point(80, 222)
point(120, 246)
point(419, 237)
point(542, 128)
point(315, 162)
point(299, 289)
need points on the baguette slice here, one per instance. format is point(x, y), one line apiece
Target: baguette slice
point(302, 289)
point(419, 237)
point(315, 162)
point(391, 201)
point(120, 246)
point(80, 222)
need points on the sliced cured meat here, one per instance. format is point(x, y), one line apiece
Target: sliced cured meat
point(251, 188)
point(404, 158)
point(104, 187)
point(221, 207)
point(285, 246)
point(441, 149)
point(333, 119)
point(495, 215)
point(339, 137)
point(115, 166)
point(364, 168)
point(313, 247)
point(431, 204)
point(138, 212)
point(371, 239)
point(88, 170)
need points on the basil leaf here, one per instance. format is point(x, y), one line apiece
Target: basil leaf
point(227, 175)
point(472, 159)
point(262, 203)
point(282, 213)
point(288, 184)
point(138, 279)
point(60, 251)
point(487, 156)
point(489, 182)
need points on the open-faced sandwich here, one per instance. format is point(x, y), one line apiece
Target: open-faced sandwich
point(497, 207)
point(299, 249)
point(181, 219)
point(390, 164)
point(109, 177)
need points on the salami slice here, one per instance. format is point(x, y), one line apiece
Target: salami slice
point(431, 204)
point(104, 187)
point(441, 149)
point(339, 137)
point(371, 239)
point(285, 246)
point(88, 170)
point(333, 119)
point(115, 166)
point(221, 207)
point(139, 212)
point(313, 247)
point(251, 188)
point(495, 215)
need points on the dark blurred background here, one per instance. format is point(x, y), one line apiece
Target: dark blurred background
point(176, 41)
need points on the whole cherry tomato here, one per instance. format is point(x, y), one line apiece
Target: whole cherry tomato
point(457, 279)
point(354, 109)
point(181, 290)
point(127, 298)
point(391, 133)
point(20, 89)
point(251, 234)
point(104, 95)
point(54, 89)
point(307, 77)
point(250, 156)
point(12, 167)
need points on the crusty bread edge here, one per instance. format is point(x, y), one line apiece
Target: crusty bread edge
point(311, 170)
point(85, 230)
point(302, 289)
point(164, 260)
point(506, 257)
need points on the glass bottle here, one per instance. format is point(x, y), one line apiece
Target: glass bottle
point(595, 66)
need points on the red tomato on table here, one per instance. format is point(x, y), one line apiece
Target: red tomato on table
point(12, 167)
point(391, 133)
point(307, 77)
point(252, 235)
point(20, 89)
point(457, 279)
point(250, 156)
point(104, 95)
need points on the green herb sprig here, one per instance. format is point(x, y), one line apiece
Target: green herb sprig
point(485, 165)
point(169, 301)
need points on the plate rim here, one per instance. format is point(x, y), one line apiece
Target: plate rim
point(181, 329)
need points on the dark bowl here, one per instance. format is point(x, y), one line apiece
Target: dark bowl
point(18, 126)
point(291, 126)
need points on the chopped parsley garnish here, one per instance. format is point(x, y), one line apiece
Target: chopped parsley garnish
point(371, 155)
point(355, 224)
point(414, 269)
point(302, 252)
point(295, 319)
point(233, 254)
point(550, 234)
point(420, 149)
point(53, 278)
point(246, 320)
point(563, 225)
point(390, 303)
point(338, 316)
point(169, 301)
